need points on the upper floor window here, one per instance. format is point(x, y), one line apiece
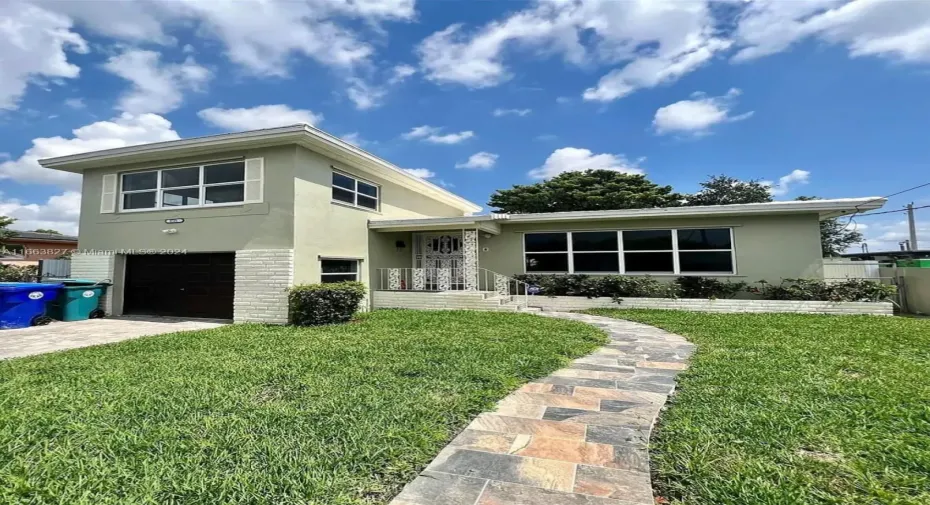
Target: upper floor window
point(706, 251)
point(197, 186)
point(356, 192)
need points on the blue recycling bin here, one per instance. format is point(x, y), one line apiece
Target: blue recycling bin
point(22, 304)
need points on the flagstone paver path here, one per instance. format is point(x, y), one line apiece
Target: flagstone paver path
point(576, 437)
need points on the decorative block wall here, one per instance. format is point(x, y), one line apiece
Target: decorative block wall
point(263, 277)
point(568, 303)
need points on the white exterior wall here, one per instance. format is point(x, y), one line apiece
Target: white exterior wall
point(263, 277)
point(96, 267)
point(567, 303)
point(459, 300)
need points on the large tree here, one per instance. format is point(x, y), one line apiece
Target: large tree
point(5, 232)
point(588, 190)
point(835, 236)
point(726, 190)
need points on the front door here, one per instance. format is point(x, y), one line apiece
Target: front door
point(442, 255)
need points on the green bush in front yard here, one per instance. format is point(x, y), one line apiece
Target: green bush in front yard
point(316, 304)
point(850, 290)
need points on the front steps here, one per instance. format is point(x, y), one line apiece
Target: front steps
point(448, 300)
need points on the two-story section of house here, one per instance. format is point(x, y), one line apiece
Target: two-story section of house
point(221, 226)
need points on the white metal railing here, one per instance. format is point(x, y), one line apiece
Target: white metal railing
point(451, 279)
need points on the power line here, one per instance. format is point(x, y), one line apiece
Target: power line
point(851, 217)
point(890, 211)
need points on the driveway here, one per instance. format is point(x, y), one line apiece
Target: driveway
point(58, 336)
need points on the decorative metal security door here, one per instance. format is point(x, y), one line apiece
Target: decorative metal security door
point(441, 256)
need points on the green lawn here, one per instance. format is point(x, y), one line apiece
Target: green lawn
point(259, 414)
point(795, 409)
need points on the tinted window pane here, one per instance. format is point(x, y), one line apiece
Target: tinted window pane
point(712, 238)
point(232, 193)
point(180, 197)
point(546, 242)
point(139, 200)
point(141, 180)
point(710, 261)
point(225, 172)
point(344, 196)
point(653, 262)
point(343, 181)
point(647, 240)
point(594, 241)
point(367, 189)
point(597, 262)
point(339, 266)
point(180, 177)
point(364, 201)
point(327, 279)
point(547, 262)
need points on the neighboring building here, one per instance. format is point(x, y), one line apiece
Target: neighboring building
point(221, 226)
point(30, 247)
point(888, 256)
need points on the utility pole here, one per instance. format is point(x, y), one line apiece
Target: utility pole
point(912, 225)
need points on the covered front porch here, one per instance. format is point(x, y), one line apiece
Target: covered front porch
point(437, 258)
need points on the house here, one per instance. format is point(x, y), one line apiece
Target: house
point(28, 247)
point(220, 226)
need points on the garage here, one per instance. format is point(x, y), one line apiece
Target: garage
point(180, 285)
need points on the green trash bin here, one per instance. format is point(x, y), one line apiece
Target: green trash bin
point(78, 300)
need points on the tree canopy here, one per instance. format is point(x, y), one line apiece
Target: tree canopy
point(588, 190)
point(726, 190)
point(46, 230)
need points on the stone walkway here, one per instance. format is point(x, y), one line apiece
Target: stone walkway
point(58, 335)
point(577, 437)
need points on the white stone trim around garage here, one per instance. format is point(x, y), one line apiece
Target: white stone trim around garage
point(568, 303)
point(263, 277)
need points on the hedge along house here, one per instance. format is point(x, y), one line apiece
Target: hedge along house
point(221, 226)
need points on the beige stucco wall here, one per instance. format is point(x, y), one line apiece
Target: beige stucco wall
point(915, 286)
point(770, 247)
point(323, 228)
point(266, 225)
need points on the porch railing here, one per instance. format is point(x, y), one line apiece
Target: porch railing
point(450, 279)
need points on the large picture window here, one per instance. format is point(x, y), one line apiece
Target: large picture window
point(338, 270)
point(665, 251)
point(197, 186)
point(355, 192)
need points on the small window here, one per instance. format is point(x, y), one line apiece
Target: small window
point(546, 242)
point(705, 251)
point(338, 270)
point(347, 189)
point(647, 240)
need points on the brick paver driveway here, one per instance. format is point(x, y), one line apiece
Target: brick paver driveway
point(58, 336)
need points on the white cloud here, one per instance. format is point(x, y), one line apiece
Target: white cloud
point(156, 87)
point(573, 159)
point(75, 103)
point(261, 116)
point(699, 115)
point(60, 212)
point(354, 138)
point(432, 135)
point(422, 173)
point(511, 112)
point(400, 73)
point(658, 40)
point(895, 29)
point(122, 131)
point(786, 183)
point(365, 96)
point(33, 44)
point(479, 161)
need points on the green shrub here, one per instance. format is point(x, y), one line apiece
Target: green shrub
point(13, 273)
point(614, 286)
point(850, 290)
point(706, 287)
point(317, 304)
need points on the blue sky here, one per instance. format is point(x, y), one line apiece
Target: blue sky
point(819, 97)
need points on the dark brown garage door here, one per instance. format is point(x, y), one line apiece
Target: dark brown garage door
point(182, 285)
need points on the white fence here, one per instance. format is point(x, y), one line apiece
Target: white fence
point(55, 269)
point(838, 270)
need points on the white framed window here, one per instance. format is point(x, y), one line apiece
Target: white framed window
point(686, 251)
point(338, 270)
point(352, 191)
point(207, 185)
